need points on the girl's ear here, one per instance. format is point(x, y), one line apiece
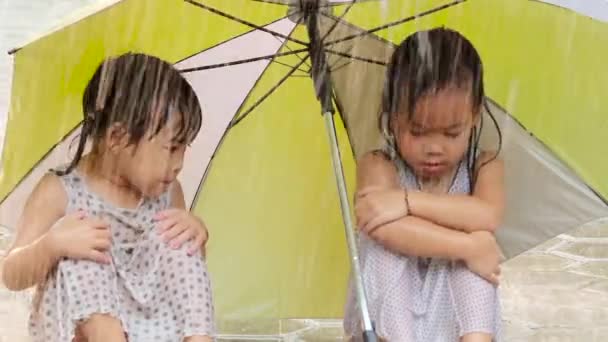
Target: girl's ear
point(117, 137)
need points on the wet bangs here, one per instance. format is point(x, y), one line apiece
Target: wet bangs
point(141, 93)
point(176, 100)
point(430, 61)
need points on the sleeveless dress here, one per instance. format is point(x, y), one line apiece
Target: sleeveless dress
point(413, 299)
point(159, 294)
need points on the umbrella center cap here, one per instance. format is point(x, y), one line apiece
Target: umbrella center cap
point(299, 8)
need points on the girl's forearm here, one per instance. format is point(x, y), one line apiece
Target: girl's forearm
point(418, 237)
point(28, 265)
point(460, 212)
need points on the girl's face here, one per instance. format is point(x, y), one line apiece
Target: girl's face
point(154, 163)
point(434, 139)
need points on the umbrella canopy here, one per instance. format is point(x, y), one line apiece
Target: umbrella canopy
point(260, 170)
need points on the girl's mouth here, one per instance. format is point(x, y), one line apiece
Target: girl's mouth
point(433, 168)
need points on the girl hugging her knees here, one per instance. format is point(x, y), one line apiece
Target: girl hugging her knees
point(429, 202)
point(107, 239)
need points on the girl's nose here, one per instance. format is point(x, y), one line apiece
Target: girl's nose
point(431, 149)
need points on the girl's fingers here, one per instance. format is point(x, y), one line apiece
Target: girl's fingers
point(195, 245)
point(174, 231)
point(358, 216)
point(102, 244)
point(370, 222)
point(100, 257)
point(372, 229)
point(370, 189)
point(79, 215)
point(96, 223)
point(365, 226)
point(167, 224)
point(373, 224)
point(179, 240)
point(362, 214)
point(493, 278)
point(165, 214)
point(362, 223)
point(103, 234)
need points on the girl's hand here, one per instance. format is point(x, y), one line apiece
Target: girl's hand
point(484, 256)
point(77, 236)
point(375, 207)
point(179, 226)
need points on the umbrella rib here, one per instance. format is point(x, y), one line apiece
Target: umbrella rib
point(343, 65)
point(265, 96)
point(345, 122)
point(287, 65)
point(242, 61)
point(335, 24)
point(287, 46)
point(349, 50)
point(271, 2)
point(395, 23)
point(244, 22)
point(297, 55)
point(276, 2)
point(357, 58)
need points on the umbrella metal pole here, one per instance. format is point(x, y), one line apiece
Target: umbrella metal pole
point(323, 88)
point(368, 329)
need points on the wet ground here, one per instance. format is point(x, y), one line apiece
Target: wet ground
point(557, 292)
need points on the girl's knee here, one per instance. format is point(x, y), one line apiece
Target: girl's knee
point(102, 327)
point(476, 337)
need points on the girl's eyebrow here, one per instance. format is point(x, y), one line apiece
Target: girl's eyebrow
point(450, 127)
point(455, 126)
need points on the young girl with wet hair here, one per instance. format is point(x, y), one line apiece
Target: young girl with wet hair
point(107, 239)
point(429, 202)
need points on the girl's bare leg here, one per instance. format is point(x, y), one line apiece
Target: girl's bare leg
point(476, 337)
point(103, 328)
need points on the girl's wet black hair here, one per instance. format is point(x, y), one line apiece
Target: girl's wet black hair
point(427, 61)
point(140, 92)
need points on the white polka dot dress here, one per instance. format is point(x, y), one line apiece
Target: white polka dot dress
point(159, 294)
point(415, 299)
